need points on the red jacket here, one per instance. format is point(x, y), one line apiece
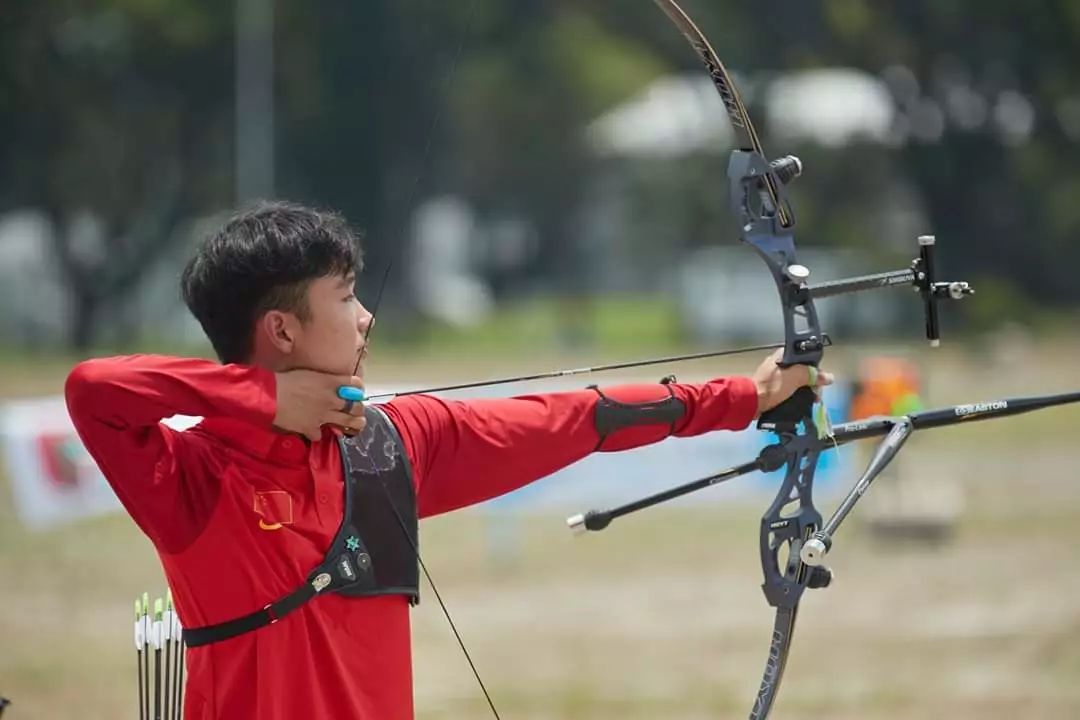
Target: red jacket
point(240, 513)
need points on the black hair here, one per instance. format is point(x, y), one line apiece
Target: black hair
point(264, 258)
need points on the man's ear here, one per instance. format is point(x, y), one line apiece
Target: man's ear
point(279, 328)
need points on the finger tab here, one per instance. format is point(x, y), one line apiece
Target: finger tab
point(350, 393)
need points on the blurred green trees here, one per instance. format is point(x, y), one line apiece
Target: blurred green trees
point(123, 111)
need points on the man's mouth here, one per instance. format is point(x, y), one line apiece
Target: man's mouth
point(361, 353)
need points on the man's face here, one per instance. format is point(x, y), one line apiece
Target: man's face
point(332, 339)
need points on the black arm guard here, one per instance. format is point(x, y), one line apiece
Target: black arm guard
point(612, 415)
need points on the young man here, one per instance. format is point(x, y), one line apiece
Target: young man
point(285, 520)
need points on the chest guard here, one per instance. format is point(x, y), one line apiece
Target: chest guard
point(375, 549)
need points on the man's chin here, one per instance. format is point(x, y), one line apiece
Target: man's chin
point(327, 368)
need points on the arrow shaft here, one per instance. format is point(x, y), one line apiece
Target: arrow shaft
point(584, 370)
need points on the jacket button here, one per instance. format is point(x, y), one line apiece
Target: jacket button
point(323, 498)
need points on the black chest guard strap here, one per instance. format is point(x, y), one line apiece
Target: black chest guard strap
point(613, 415)
point(374, 551)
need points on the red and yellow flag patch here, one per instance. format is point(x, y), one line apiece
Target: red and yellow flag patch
point(274, 508)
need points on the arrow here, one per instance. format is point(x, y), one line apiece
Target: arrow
point(140, 644)
point(354, 394)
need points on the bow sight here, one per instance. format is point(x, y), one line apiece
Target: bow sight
point(759, 198)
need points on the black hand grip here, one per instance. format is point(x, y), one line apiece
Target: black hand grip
point(788, 414)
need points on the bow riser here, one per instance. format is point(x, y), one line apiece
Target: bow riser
point(774, 242)
point(784, 529)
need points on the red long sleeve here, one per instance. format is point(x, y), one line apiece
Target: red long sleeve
point(465, 452)
point(117, 404)
point(240, 513)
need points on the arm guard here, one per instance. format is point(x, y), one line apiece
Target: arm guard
point(612, 415)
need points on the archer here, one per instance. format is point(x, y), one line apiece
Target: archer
point(285, 520)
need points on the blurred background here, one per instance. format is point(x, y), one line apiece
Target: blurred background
point(547, 183)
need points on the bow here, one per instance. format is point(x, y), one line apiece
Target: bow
point(767, 223)
point(793, 539)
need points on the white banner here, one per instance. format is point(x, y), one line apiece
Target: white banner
point(53, 478)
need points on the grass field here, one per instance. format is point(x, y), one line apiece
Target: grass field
point(662, 616)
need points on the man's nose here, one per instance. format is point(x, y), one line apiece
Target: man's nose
point(365, 320)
